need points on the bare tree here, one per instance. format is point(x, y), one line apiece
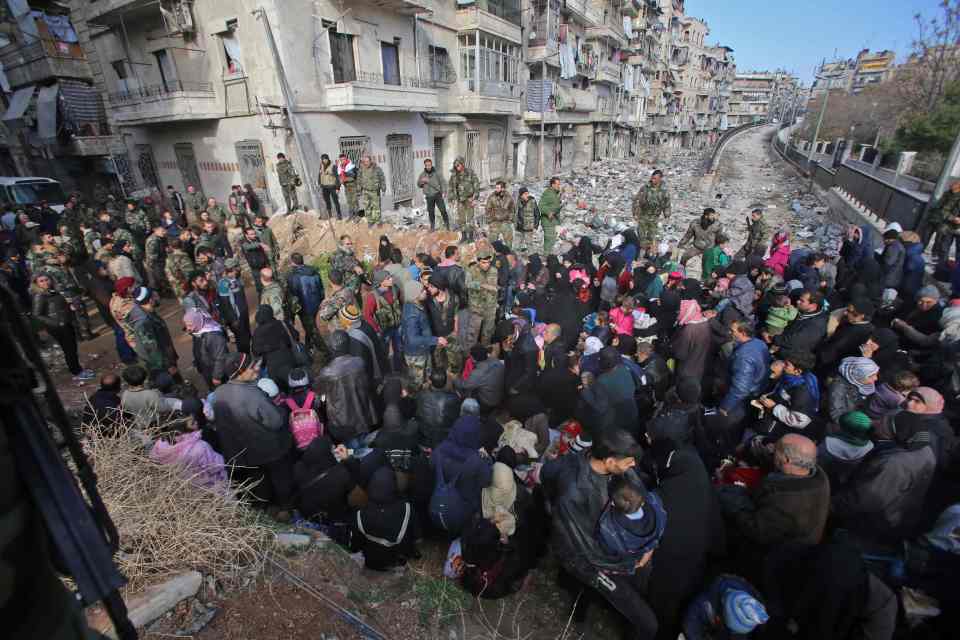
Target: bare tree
point(934, 62)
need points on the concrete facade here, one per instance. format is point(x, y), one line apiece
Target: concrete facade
point(763, 96)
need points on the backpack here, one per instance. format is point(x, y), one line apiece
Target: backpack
point(387, 315)
point(448, 510)
point(304, 422)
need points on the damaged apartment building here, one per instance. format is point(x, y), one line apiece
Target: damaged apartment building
point(207, 92)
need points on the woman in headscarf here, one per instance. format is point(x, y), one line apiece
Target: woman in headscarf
point(273, 342)
point(779, 255)
point(646, 282)
point(883, 347)
point(692, 344)
point(209, 346)
point(590, 362)
point(459, 461)
point(630, 248)
point(386, 526)
point(583, 253)
point(850, 390)
point(384, 251)
point(503, 543)
point(326, 489)
point(924, 412)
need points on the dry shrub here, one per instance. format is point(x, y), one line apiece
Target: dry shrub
point(167, 523)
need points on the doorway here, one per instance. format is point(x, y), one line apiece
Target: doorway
point(390, 56)
point(400, 156)
point(187, 164)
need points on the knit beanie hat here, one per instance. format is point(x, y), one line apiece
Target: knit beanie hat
point(298, 378)
point(141, 295)
point(742, 613)
point(349, 314)
point(269, 387)
point(929, 291)
point(855, 428)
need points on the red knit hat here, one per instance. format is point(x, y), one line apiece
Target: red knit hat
point(123, 286)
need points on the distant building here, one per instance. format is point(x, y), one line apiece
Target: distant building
point(872, 68)
point(761, 96)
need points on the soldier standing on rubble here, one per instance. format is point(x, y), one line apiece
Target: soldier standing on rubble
point(371, 184)
point(501, 210)
point(431, 182)
point(465, 187)
point(528, 219)
point(550, 205)
point(650, 203)
point(289, 181)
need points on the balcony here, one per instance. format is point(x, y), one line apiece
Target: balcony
point(609, 72)
point(613, 34)
point(43, 60)
point(574, 100)
point(95, 145)
point(584, 12)
point(370, 92)
point(475, 19)
point(497, 98)
point(170, 102)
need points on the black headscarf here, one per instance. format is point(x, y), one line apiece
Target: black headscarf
point(385, 249)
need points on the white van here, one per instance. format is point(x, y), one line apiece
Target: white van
point(16, 191)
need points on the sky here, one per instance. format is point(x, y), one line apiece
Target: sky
point(771, 34)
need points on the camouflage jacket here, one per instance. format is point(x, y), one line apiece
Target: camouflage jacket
point(120, 309)
point(91, 242)
point(138, 221)
point(178, 269)
point(651, 202)
point(948, 206)
point(73, 248)
point(155, 250)
point(135, 251)
point(154, 346)
point(482, 287)
point(265, 235)
point(500, 208)
point(528, 214)
point(371, 180)
point(345, 262)
point(217, 214)
point(757, 233)
point(46, 256)
point(196, 201)
point(274, 297)
point(286, 174)
point(464, 186)
point(332, 304)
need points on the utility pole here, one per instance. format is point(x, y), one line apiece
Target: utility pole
point(945, 175)
point(543, 108)
point(816, 133)
point(261, 13)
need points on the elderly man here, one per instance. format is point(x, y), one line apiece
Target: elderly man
point(790, 505)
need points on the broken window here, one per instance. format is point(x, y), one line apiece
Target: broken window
point(341, 57)
point(231, 49)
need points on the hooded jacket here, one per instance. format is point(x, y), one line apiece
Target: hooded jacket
point(437, 410)
point(458, 455)
point(272, 343)
point(913, 270)
point(253, 431)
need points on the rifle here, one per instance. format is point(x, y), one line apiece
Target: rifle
point(81, 532)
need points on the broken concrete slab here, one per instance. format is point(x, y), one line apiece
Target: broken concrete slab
point(293, 541)
point(155, 601)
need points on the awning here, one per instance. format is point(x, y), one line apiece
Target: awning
point(47, 112)
point(19, 103)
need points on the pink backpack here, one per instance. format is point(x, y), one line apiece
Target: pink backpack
point(305, 424)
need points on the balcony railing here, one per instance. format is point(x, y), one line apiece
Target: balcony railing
point(159, 91)
point(444, 78)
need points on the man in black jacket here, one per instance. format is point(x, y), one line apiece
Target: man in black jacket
point(846, 341)
point(485, 382)
point(809, 329)
point(53, 312)
point(437, 410)
point(582, 494)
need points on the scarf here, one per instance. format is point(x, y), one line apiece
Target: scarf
point(856, 370)
point(592, 345)
point(342, 169)
point(497, 500)
point(932, 400)
point(690, 313)
point(788, 382)
point(228, 288)
point(198, 323)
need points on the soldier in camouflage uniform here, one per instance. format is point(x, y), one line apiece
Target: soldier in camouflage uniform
point(91, 239)
point(216, 212)
point(339, 298)
point(136, 250)
point(274, 296)
point(344, 261)
point(550, 205)
point(370, 183)
point(69, 243)
point(265, 235)
point(528, 219)
point(464, 187)
point(484, 293)
point(195, 204)
point(443, 308)
point(47, 259)
point(757, 236)
point(944, 218)
point(500, 211)
point(649, 205)
point(138, 222)
point(154, 345)
point(289, 181)
point(178, 268)
point(155, 255)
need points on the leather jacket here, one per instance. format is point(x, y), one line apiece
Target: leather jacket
point(52, 310)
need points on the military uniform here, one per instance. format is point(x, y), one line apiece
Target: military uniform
point(484, 294)
point(345, 262)
point(501, 210)
point(155, 252)
point(91, 242)
point(46, 261)
point(136, 250)
point(528, 218)
point(550, 205)
point(218, 214)
point(332, 305)
point(265, 235)
point(139, 224)
point(464, 187)
point(948, 233)
point(649, 204)
point(153, 342)
point(289, 181)
point(275, 297)
point(196, 202)
point(371, 183)
point(756, 244)
point(178, 268)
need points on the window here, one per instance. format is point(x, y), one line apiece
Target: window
point(498, 65)
point(120, 68)
point(341, 57)
point(440, 68)
point(231, 49)
point(168, 75)
point(390, 56)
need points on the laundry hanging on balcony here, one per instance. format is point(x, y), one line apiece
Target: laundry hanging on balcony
point(568, 65)
point(628, 26)
point(82, 108)
point(21, 11)
point(60, 27)
point(47, 113)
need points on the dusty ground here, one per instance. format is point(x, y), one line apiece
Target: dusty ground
point(418, 603)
